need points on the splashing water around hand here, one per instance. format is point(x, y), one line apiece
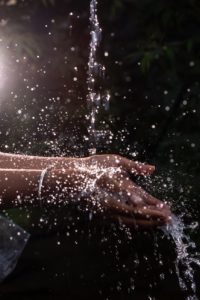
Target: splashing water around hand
point(187, 255)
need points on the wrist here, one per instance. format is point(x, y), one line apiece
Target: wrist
point(61, 184)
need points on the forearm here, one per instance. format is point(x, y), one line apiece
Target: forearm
point(17, 161)
point(18, 187)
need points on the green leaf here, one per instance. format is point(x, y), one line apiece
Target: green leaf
point(146, 62)
point(169, 53)
point(189, 45)
point(117, 5)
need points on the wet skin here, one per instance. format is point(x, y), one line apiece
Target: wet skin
point(101, 182)
point(115, 196)
point(140, 208)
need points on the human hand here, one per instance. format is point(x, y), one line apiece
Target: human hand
point(103, 182)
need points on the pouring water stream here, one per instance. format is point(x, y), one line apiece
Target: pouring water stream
point(187, 255)
point(94, 98)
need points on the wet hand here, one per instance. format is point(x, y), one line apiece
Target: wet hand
point(129, 204)
point(110, 189)
point(117, 161)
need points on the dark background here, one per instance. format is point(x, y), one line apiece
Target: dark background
point(152, 74)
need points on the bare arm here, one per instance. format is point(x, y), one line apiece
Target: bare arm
point(17, 161)
point(101, 177)
point(18, 187)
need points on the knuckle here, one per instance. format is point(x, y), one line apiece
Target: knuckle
point(117, 159)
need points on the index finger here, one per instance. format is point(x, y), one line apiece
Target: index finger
point(135, 167)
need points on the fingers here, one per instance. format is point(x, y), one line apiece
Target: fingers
point(166, 212)
point(135, 167)
point(151, 213)
point(146, 197)
point(108, 183)
point(132, 167)
point(143, 204)
point(123, 186)
point(130, 190)
point(152, 201)
point(136, 223)
point(127, 189)
point(149, 199)
point(113, 206)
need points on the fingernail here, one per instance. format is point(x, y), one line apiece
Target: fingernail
point(152, 168)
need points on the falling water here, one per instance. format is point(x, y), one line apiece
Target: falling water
point(95, 69)
point(187, 255)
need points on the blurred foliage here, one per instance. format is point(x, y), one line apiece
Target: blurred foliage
point(153, 71)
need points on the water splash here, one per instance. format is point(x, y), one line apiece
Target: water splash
point(187, 255)
point(95, 69)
